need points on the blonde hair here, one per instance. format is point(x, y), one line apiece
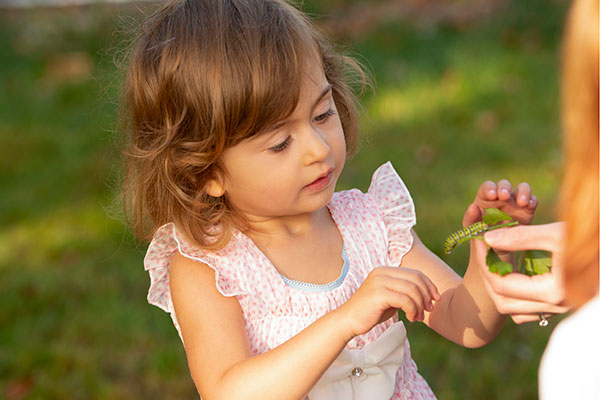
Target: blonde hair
point(579, 192)
point(203, 76)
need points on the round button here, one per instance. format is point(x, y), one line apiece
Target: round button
point(356, 372)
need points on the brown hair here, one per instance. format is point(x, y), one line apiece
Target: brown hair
point(202, 76)
point(579, 192)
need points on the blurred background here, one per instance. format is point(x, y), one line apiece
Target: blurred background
point(466, 90)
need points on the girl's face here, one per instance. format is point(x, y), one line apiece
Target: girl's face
point(293, 168)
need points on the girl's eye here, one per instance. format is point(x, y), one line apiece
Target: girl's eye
point(281, 146)
point(325, 116)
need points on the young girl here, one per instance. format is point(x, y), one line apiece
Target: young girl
point(241, 121)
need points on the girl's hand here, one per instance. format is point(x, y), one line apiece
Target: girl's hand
point(386, 290)
point(518, 203)
point(522, 296)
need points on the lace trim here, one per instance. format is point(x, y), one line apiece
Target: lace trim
point(319, 287)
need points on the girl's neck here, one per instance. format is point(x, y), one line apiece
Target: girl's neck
point(288, 227)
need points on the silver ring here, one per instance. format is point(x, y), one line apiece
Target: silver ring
point(543, 320)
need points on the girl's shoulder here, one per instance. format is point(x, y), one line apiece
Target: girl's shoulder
point(385, 212)
point(167, 240)
point(387, 194)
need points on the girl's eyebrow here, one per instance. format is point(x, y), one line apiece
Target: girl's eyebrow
point(324, 92)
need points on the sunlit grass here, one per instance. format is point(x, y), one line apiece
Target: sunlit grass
point(55, 237)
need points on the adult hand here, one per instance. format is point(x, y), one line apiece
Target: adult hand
point(522, 296)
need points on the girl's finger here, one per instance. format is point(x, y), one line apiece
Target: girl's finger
point(404, 302)
point(504, 189)
point(433, 290)
point(487, 191)
point(472, 215)
point(522, 194)
point(533, 202)
point(417, 292)
point(427, 287)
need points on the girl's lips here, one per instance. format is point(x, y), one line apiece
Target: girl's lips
point(320, 183)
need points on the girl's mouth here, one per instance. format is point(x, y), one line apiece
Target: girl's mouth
point(320, 182)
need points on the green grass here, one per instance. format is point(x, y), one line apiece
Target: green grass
point(454, 105)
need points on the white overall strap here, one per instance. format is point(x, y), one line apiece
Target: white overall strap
point(364, 374)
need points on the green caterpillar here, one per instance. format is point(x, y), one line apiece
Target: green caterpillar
point(464, 235)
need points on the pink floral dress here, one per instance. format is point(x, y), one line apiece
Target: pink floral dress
point(375, 227)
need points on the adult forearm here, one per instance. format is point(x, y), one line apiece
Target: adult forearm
point(290, 370)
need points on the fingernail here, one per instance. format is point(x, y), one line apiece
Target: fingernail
point(492, 237)
point(505, 191)
point(492, 192)
point(523, 198)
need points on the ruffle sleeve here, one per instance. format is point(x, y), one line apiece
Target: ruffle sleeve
point(395, 204)
point(163, 246)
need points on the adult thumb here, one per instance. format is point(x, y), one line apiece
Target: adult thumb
point(549, 237)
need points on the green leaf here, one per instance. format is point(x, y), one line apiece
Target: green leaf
point(493, 216)
point(537, 262)
point(496, 265)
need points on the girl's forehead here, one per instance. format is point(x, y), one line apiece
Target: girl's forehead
point(314, 79)
point(313, 91)
point(283, 87)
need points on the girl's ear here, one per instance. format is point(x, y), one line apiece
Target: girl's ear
point(215, 187)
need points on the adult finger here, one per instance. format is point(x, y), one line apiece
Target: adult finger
point(525, 318)
point(547, 237)
point(543, 288)
point(512, 306)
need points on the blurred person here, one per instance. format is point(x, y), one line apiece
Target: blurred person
point(569, 367)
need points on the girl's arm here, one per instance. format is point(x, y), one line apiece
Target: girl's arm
point(217, 348)
point(467, 313)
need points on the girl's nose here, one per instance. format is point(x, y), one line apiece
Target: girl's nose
point(316, 147)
